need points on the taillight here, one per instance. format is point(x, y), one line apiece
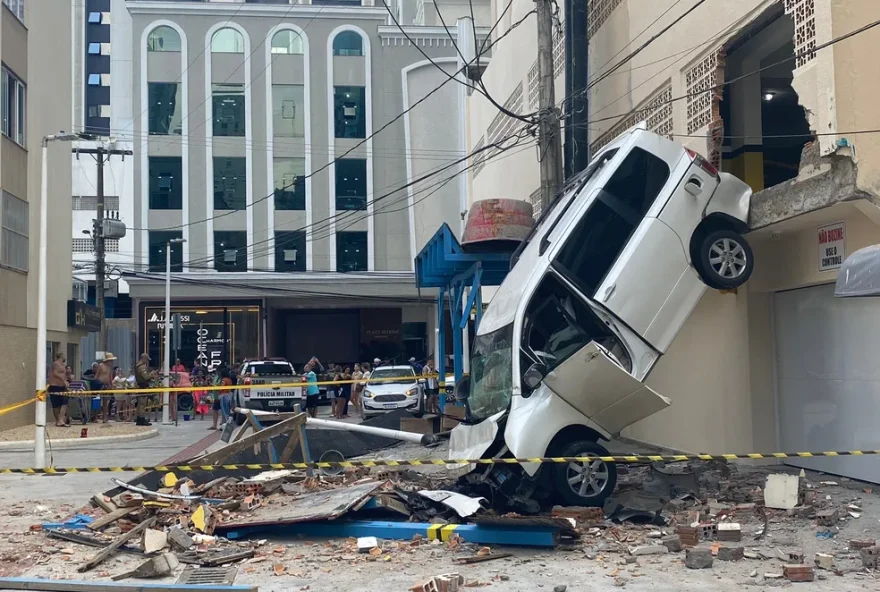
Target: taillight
point(702, 163)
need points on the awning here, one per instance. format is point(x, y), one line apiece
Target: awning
point(859, 275)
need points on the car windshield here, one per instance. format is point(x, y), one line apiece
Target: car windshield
point(491, 373)
point(273, 369)
point(392, 376)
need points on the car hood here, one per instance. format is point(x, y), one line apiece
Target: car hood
point(388, 388)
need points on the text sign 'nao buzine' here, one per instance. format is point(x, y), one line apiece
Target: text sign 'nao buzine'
point(832, 251)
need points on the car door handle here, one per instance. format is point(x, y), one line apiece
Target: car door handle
point(609, 291)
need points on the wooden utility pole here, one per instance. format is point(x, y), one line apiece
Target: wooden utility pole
point(549, 141)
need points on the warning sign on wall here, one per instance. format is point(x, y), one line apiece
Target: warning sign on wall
point(831, 246)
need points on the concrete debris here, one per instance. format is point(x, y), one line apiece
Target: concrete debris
point(870, 557)
point(857, 544)
point(699, 559)
point(443, 583)
point(672, 543)
point(798, 573)
point(828, 517)
point(688, 535)
point(824, 561)
point(648, 550)
point(367, 544)
point(730, 553)
point(154, 540)
point(730, 532)
point(782, 491)
point(156, 567)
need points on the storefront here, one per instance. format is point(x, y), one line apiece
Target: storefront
point(221, 332)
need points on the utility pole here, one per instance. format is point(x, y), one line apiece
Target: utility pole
point(103, 230)
point(549, 142)
point(577, 74)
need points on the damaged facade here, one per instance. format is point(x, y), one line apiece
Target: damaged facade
point(759, 88)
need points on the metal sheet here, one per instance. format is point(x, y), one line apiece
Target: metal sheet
point(321, 505)
point(860, 274)
point(463, 505)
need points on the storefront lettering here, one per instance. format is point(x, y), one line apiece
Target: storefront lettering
point(208, 356)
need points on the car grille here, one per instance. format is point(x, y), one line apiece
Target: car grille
point(389, 398)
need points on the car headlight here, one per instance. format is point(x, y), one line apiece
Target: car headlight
point(368, 394)
point(412, 392)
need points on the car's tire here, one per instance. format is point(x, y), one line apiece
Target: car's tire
point(596, 481)
point(725, 259)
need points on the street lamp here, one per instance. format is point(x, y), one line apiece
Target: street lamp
point(166, 366)
point(40, 408)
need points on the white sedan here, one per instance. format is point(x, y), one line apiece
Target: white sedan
point(390, 388)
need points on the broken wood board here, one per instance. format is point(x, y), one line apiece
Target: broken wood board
point(110, 518)
point(81, 586)
point(218, 456)
point(307, 507)
point(110, 549)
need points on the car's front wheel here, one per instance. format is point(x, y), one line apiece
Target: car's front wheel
point(587, 483)
point(725, 259)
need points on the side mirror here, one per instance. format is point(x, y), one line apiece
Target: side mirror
point(534, 375)
point(462, 390)
point(423, 381)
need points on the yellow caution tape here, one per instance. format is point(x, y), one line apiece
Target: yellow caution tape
point(14, 406)
point(631, 459)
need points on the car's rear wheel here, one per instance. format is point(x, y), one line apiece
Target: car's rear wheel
point(725, 259)
point(584, 483)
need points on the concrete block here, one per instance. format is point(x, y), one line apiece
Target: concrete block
point(862, 544)
point(870, 557)
point(648, 550)
point(799, 573)
point(824, 561)
point(154, 540)
point(782, 491)
point(730, 553)
point(828, 517)
point(699, 559)
point(367, 544)
point(730, 532)
point(179, 539)
point(672, 543)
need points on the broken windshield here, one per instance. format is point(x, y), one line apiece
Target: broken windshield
point(491, 373)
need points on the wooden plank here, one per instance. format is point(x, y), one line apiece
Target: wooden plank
point(218, 456)
point(80, 586)
point(111, 517)
point(304, 444)
point(110, 549)
point(105, 504)
point(290, 448)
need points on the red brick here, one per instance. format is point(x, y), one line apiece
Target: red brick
point(799, 573)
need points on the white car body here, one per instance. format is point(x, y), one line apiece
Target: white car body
point(381, 395)
point(638, 305)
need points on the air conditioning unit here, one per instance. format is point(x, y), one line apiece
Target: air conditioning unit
point(111, 289)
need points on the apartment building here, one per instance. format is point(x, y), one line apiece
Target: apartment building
point(762, 89)
point(268, 138)
point(32, 108)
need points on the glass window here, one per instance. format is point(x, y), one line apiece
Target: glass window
point(290, 184)
point(165, 108)
point(95, 48)
point(288, 110)
point(351, 251)
point(166, 182)
point(348, 43)
point(491, 373)
point(230, 250)
point(163, 39)
point(16, 7)
point(351, 184)
point(94, 80)
point(602, 233)
point(227, 40)
point(14, 226)
point(230, 183)
point(158, 243)
point(14, 107)
point(349, 112)
point(228, 109)
point(95, 18)
point(290, 250)
point(287, 42)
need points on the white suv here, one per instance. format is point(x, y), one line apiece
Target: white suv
point(596, 295)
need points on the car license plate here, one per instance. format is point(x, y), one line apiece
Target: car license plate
point(390, 405)
point(275, 403)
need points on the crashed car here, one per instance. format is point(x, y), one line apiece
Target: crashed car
point(596, 294)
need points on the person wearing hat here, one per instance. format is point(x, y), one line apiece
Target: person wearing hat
point(142, 377)
point(104, 375)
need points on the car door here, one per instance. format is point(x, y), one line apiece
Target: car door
point(617, 253)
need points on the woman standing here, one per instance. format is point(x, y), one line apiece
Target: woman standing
point(356, 387)
point(346, 393)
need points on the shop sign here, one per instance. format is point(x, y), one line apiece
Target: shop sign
point(83, 316)
point(832, 250)
point(158, 319)
point(210, 349)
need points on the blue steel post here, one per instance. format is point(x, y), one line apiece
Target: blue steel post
point(441, 346)
point(457, 337)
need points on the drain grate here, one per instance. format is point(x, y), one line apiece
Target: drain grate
point(200, 576)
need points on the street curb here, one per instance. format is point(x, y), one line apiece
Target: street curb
point(70, 443)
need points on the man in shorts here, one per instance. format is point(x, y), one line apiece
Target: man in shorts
point(104, 375)
point(312, 392)
point(58, 383)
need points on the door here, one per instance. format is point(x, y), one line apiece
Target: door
point(628, 262)
point(828, 378)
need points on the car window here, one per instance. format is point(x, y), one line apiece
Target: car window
point(557, 324)
point(388, 375)
point(602, 233)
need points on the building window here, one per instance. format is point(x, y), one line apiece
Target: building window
point(230, 183)
point(166, 183)
point(349, 112)
point(14, 224)
point(348, 43)
point(288, 112)
point(287, 42)
point(158, 244)
point(166, 108)
point(290, 251)
point(227, 40)
point(351, 184)
point(13, 107)
point(99, 110)
point(99, 18)
point(99, 80)
point(290, 183)
point(230, 250)
point(351, 251)
point(99, 49)
point(228, 107)
point(163, 39)
point(16, 7)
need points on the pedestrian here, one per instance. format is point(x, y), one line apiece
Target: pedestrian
point(58, 385)
point(346, 393)
point(432, 387)
point(365, 377)
point(124, 405)
point(376, 362)
point(226, 395)
point(312, 391)
point(104, 375)
point(143, 378)
point(356, 386)
point(224, 380)
point(178, 366)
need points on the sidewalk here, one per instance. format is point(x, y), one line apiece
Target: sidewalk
point(173, 443)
